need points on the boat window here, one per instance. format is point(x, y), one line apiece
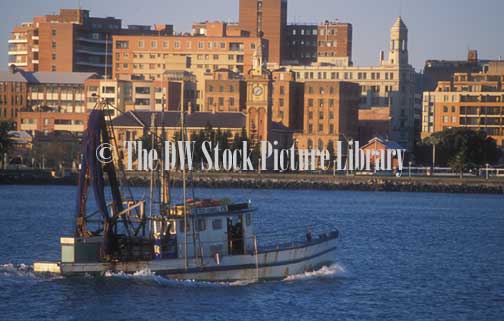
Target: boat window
point(181, 226)
point(201, 224)
point(248, 219)
point(173, 229)
point(217, 224)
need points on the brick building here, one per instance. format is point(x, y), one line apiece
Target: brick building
point(330, 113)
point(266, 18)
point(470, 100)
point(390, 85)
point(25, 96)
point(69, 41)
point(150, 57)
point(334, 43)
point(225, 92)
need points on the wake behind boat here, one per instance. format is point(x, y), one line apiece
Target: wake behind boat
point(210, 240)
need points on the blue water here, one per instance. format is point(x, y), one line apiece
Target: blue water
point(402, 256)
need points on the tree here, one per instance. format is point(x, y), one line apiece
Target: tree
point(5, 140)
point(330, 149)
point(464, 149)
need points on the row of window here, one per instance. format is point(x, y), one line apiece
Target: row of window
point(15, 100)
point(220, 101)
point(13, 113)
point(320, 115)
point(320, 129)
point(177, 44)
point(321, 102)
point(47, 121)
point(221, 88)
point(345, 75)
point(201, 224)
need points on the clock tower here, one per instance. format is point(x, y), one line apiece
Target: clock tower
point(259, 102)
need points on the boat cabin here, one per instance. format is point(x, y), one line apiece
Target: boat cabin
point(213, 230)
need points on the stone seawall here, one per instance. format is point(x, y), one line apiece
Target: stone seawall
point(294, 181)
point(327, 182)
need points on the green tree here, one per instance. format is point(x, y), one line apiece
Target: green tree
point(5, 140)
point(464, 149)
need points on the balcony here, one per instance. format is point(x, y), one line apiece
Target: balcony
point(18, 41)
point(17, 52)
point(18, 64)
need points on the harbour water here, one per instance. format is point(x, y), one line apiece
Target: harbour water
point(402, 256)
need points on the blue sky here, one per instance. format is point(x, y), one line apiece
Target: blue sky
point(438, 29)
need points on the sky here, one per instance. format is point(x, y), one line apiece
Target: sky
point(438, 29)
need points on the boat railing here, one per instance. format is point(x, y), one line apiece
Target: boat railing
point(296, 237)
point(267, 242)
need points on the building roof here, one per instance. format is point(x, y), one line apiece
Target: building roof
point(9, 76)
point(46, 77)
point(389, 144)
point(172, 119)
point(399, 23)
point(62, 77)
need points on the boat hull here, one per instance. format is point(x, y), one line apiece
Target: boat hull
point(266, 265)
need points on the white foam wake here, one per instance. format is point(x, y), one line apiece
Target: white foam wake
point(147, 276)
point(324, 272)
point(21, 272)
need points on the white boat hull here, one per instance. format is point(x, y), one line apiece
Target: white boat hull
point(272, 264)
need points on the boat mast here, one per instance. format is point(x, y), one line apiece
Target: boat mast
point(151, 192)
point(184, 186)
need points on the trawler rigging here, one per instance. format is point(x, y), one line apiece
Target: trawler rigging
point(198, 239)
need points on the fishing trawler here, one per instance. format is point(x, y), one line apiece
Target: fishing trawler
point(210, 240)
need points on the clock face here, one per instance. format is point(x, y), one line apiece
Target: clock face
point(258, 90)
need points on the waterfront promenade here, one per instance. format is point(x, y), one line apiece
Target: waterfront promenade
point(494, 185)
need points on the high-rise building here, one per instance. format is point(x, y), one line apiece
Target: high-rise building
point(469, 100)
point(334, 43)
point(70, 41)
point(301, 42)
point(387, 87)
point(266, 18)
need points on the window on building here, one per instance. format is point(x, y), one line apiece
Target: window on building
point(53, 56)
point(153, 44)
point(122, 44)
point(140, 44)
point(53, 32)
point(53, 44)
